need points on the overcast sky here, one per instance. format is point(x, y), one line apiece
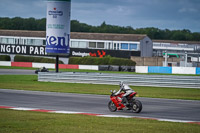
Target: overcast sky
point(163, 14)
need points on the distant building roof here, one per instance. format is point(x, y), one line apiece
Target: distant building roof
point(22, 33)
point(176, 42)
point(107, 36)
point(77, 35)
point(92, 36)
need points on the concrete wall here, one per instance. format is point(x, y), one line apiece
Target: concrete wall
point(40, 65)
point(5, 63)
point(168, 70)
point(48, 65)
point(198, 70)
point(152, 61)
point(157, 69)
point(184, 70)
point(141, 69)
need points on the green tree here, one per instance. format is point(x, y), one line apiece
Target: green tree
point(18, 23)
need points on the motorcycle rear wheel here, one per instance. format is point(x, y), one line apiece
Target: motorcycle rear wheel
point(137, 106)
point(111, 106)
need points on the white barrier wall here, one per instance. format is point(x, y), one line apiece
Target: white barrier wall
point(47, 65)
point(89, 67)
point(141, 69)
point(5, 63)
point(183, 70)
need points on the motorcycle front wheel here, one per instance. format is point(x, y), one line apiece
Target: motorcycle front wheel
point(137, 106)
point(111, 106)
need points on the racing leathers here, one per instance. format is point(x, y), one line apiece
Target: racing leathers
point(127, 90)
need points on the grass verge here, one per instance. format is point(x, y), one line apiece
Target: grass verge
point(12, 121)
point(29, 82)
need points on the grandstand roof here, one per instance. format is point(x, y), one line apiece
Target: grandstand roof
point(177, 42)
point(77, 35)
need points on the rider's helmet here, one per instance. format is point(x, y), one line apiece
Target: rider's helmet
point(121, 83)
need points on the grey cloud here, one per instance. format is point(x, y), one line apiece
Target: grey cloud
point(171, 14)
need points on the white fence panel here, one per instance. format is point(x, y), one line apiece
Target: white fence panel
point(183, 70)
point(141, 69)
point(89, 67)
point(5, 63)
point(47, 65)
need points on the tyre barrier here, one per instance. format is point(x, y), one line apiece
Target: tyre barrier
point(116, 68)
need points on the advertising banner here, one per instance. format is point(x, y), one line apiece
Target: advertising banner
point(79, 52)
point(22, 49)
point(58, 27)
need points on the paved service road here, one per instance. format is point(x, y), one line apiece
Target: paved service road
point(152, 107)
point(16, 72)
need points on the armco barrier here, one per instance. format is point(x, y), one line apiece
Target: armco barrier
point(157, 69)
point(114, 79)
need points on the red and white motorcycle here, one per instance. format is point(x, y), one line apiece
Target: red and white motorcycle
point(115, 102)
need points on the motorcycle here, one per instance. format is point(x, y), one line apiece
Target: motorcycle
point(41, 70)
point(115, 102)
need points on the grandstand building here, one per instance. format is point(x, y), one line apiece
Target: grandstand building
point(136, 47)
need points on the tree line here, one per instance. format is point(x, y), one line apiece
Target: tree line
point(18, 23)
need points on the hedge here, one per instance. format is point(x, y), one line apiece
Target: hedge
point(101, 61)
point(35, 59)
point(4, 58)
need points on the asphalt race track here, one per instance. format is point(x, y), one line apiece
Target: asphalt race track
point(187, 110)
point(16, 72)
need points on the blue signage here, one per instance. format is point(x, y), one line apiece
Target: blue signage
point(57, 45)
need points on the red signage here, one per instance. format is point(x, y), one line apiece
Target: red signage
point(100, 53)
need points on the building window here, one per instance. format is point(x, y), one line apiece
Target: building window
point(82, 44)
point(38, 42)
point(4, 40)
point(92, 44)
point(30, 42)
point(100, 44)
point(74, 44)
point(132, 46)
point(115, 47)
point(44, 42)
point(109, 45)
point(10, 41)
point(124, 46)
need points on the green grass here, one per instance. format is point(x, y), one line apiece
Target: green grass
point(29, 82)
point(12, 121)
point(13, 67)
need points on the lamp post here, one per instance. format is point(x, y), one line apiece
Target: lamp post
point(185, 59)
point(165, 58)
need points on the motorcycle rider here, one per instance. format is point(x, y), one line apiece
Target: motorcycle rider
point(127, 90)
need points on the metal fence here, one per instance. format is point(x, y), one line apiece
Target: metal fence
point(130, 79)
